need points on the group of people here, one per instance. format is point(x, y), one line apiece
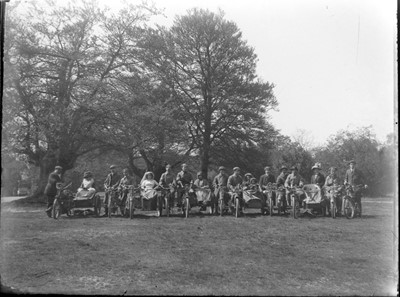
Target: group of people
point(224, 187)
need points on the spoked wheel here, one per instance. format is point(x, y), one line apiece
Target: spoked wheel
point(348, 208)
point(295, 207)
point(131, 209)
point(186, 207)
point(97, 206)
point(109, 206)
point(56, 211)
point(271, 206)
point(333, 209)
point(237, 206)
point(166, 200)
point(159, 206)
point(221, 207)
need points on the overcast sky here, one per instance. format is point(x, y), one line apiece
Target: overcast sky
point(332, 61)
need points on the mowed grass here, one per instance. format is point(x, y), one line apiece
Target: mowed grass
point(201, 255)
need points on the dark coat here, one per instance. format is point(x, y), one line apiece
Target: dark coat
point(354, 178)
point(51, 189)
point(266, 179)
point(318, 179)
point(112, 180)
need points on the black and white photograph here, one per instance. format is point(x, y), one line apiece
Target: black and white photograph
point(199, 147)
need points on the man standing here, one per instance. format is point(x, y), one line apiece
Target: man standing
point(294, 180)
point(167, 180)
point(220, 185)
point(234, 184)
point(183, 178)
point(354, 177)
point(51, 188)
point(280, 183)
point(265, 179)
point(123, 186)
point(332, 180)
point(111, 183)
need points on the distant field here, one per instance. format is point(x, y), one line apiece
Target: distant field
point(201, 255)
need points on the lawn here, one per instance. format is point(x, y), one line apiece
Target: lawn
point(201, 255)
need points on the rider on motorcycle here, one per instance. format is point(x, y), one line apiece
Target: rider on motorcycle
point(235, 183)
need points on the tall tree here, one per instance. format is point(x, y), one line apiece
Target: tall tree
point(211, 72)
point(60, 60)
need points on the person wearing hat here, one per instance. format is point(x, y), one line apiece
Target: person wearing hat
point(123, 186)
point(247, 180)
point(235, 183)
point(265, 179)
point(294, 180)
point(167, 180)
point(86, 188)
point(183, 178)
point(354, 177)
point(280, 180)
point(220, 183)
point(111, 183)
point(280, 183)
point(50, 190)
point(333, 180)
point(202, 184)
point(317, 178)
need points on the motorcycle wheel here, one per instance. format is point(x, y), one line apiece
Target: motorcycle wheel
point(131, 209)
point(186, 207)
point(295, 207)
point(333, 209)
point(109, 206)
point(56, 211)
point(348, 208)
point(237, 206)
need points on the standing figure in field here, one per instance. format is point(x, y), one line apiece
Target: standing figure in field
point(184, 178)
point(220, 183)
point(86, 188)
point(332, 180)
point(235, 183)
point(123, 186)
point(51, 188)
point(280, 184)
point(110, 184)
point(265, 179)
point(354, 177)
point(294, 180)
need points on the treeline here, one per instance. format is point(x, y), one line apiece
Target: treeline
point(83, 82)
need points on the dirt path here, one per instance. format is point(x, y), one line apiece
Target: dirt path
point(201, 255)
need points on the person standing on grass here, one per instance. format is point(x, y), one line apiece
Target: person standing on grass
point(51, 188)
point(354, 177)
point(235, 184)
point(220, 185)
point(111, 183)
point(182, 179)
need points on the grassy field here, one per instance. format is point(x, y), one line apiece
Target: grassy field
point(201, 255)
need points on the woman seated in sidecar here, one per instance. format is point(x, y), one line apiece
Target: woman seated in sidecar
point(148, 187)
point(86, 189)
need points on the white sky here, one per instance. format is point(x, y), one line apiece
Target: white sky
point(332, 61)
